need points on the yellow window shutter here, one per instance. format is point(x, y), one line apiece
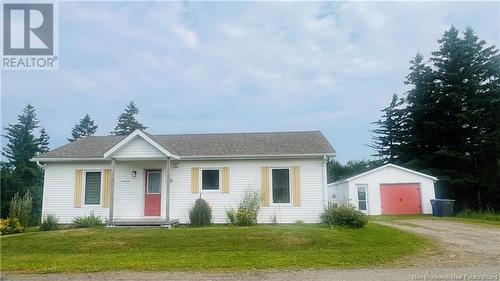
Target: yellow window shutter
point(106, 188)
point(78, 188)
point(296, 185)
point(195, 180)
point(265, 186)
point(225, 179)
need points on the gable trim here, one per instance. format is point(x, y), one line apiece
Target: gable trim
point(383, 167)
point(133, 135)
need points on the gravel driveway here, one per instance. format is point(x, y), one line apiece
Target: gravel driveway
point(462, 252)
point(458, 244)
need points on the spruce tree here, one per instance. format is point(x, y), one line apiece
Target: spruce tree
point(127, 122)
point(451, 121)
point(421, 116)
point(86, 127)
point(21, 174)
point(387, 137)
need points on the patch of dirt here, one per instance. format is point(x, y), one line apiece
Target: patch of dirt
point(456, 244)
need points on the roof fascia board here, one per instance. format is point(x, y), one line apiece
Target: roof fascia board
point(389, 165)
point(268, 156)
point(66, 159)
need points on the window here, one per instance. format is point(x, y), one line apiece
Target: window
point(362, 197)
point(92, 188)
point(281, 185)
point(154, 182)
point(210, 179)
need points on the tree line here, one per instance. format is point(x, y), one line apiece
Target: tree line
point(448, 123)
point(26, 139)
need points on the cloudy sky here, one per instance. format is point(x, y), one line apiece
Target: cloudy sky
point(237, 67)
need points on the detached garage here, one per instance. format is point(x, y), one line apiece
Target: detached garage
point(386, 190)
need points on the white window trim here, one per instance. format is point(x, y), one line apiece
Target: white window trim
point(201, 179)
point(366, 196)
point(85, 187)
point(289, 186)
point(147, 181)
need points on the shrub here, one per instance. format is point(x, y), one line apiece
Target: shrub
point(20, 208)
point(247, 211)
point(49, 223)
point(87, 221)
point(344, 215)
point(231, 216)
point(10, 226)
point(201, 213)
point(299, 222)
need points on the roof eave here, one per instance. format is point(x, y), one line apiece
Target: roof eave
point(206, 157)
point(35, 159)
point(264, 156)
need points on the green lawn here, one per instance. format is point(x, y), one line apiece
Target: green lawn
point(199, 249)
point(485, 221)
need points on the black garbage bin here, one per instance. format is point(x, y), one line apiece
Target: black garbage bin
point(442, 207)
point(447, 207)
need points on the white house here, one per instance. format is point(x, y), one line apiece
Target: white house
point(143, 178)
point(387, 190)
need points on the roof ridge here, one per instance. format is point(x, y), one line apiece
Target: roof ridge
point(241, 133)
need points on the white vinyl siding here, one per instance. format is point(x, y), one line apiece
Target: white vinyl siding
point(138, 148)
point(59, 191)
point(129, 193)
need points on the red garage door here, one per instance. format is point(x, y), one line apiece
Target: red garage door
point(400, 199)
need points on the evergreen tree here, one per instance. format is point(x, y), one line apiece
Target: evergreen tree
point(451, 122)
point(127, 122)
point(85, 127)
point(43, 141)
point(19, 174)
point(388, 136)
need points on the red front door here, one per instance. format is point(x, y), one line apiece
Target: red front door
point(152, 199)
point(400, 199)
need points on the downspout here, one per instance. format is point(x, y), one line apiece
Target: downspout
point(42, 166)
point(324, 180)
point(112, 196)
point(167, 195)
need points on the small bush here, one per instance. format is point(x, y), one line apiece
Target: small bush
point(299, 222)
point(201, 213)
point(20, 208)
point(87, 221)
point(49, 223)
point(344, 215)
point(247, 211)
point(231, 216)
point(10, 226)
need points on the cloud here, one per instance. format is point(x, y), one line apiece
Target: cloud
point(217, 67)
point(186, 35)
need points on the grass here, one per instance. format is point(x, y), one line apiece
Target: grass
point(206, 249)
point(490, 220)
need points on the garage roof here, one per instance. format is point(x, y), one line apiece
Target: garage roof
point(383, 167)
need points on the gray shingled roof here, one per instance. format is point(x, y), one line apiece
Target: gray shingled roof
point(193, 145)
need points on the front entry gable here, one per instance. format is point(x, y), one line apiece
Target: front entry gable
point(138, 145)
